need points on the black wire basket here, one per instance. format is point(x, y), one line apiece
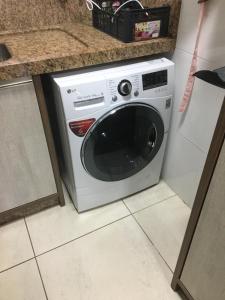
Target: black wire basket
point(132, 23)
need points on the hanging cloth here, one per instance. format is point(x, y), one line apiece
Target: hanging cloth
point(193, 69)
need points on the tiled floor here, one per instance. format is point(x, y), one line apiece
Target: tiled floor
point(165, 224)
point(125, 250)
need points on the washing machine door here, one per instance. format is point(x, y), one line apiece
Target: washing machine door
point(122, 142)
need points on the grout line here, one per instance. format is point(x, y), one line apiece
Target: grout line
point(152, 244)
point(127, 207)
point(61, 245)
point(193, 143)
point(39, 271)
point(123, 201)
point(190, 208)
point(183, 202)
point(153, 204)
point(149, 237)
point(24, 261)
point(83, 235)
point(41, 279)
point(29, 236)
point(192, 53)
point(86, 234)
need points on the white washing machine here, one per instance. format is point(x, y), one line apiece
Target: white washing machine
point(113, 125)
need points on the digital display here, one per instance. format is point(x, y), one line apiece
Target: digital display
point(154, 80)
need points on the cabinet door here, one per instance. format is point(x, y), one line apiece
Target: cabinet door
point(204, 270)
point(25, 167)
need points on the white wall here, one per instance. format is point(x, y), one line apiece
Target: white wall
point(191, 133)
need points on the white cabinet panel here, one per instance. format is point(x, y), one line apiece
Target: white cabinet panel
point(25, 167)
point(204, 270)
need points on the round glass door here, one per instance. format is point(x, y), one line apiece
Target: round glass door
point(122, 142)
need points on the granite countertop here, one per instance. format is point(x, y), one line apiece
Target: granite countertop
point(69, 46)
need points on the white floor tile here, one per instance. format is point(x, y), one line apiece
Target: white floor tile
point(58, 225)
point(148, 197)
point(165, 224)
point(115, 262)
point(15, 246)
point(22, 283)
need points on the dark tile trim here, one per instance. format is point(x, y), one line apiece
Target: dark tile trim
point(28, 208)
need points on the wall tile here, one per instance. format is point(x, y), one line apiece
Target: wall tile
point(202, 115)
point(194, 128)
point(183, 168)
point(212, 43)
point(212, 40)
point(188, 25)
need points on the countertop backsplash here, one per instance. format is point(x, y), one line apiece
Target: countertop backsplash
point(55, 35)
point(26, 14)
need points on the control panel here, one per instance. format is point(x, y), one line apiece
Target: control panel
point(135, 84)
point(84, 91)
point(124, 88)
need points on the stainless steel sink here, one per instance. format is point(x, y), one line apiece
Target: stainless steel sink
point(4, 53)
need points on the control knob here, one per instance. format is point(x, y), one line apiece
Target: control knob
point(125, 87)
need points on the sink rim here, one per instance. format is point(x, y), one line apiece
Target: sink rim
point(5, 54)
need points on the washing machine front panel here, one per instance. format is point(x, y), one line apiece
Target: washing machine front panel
point(109, 169)
point(122, 142)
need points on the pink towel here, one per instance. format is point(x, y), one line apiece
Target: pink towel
point(193, 69)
